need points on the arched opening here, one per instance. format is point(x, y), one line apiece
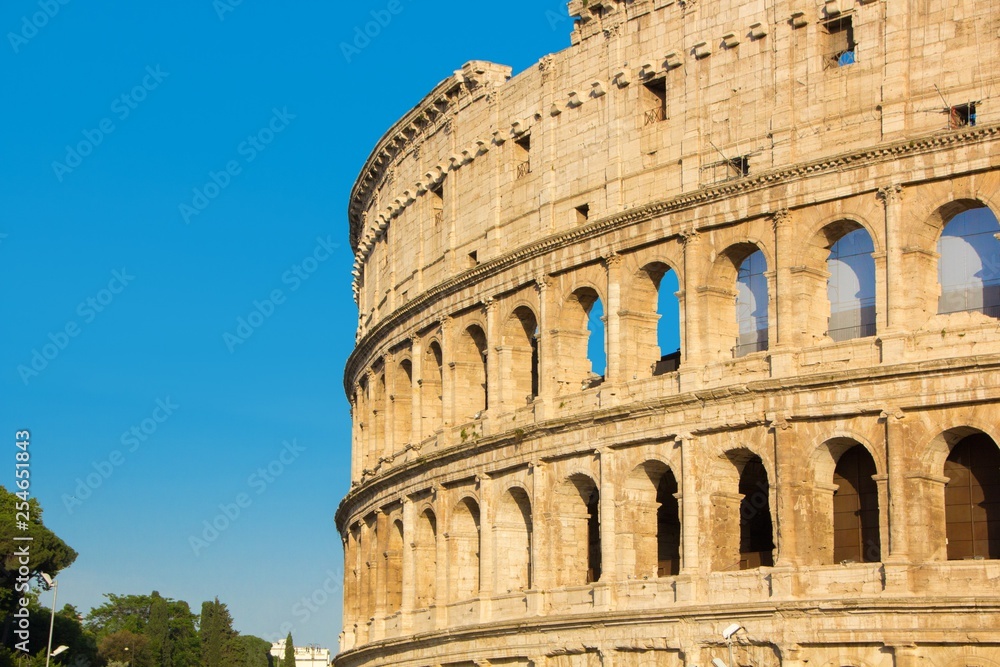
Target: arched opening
point(651, 322)
point(394, 569)
point(751, 305)
point(425, 559)
point(972, 498)
point(580, 341)
point(668, 527)
point(402, 414)
point(651, 523)
point(520, 357)
point(756, 529)
point(431, 412)
point(596, 342)
point(578, 538)
point(464, 550)
point(513, 542)
point(855, 509)
point(969, 263)
point(471, 396)
point(851, 286)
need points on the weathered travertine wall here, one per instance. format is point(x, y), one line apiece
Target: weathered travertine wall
point(510, 506)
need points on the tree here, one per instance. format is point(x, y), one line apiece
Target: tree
point(168, 624)
point(49, 553)
point(216, 634)
point(125, 646)
point(289, 660)
point(250, 651)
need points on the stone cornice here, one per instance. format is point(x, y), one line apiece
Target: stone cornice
point(685, 201)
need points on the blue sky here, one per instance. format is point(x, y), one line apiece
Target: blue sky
point(170, 168)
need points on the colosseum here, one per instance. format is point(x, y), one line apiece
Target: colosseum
point(682, 347)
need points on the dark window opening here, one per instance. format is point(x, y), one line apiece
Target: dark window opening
point(972, 499)
point(668, 527)
point(756, 530)
point(840, 41)
point(534, 366)
point(962, 115)
point(473, 258)
point(739, 166)
point(593, 538)
point(855, 509)
point(522, 156)
point(654, 100)
point(582, 213)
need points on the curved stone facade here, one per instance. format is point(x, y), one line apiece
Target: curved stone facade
point(800, 199)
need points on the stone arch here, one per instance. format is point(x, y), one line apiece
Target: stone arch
point(394, 566)
point(425, 559)
point(577, 346)
point(650, 536)
point(968, 252)
point(650, 308)
point(854, 506)
point(431, 388)
point(519, 356)
point(577, 538)
point(840, 287)
point(402, 402)
point(743, 524)
point(972, 498)
point(513, 540)
point(739, 275)
point(464, 549)
point(471, 393)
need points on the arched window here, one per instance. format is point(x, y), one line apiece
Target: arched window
point(402, 415)
point(972, 498)
point(431, 412)
point(463, 550)
point(855, 509)
point(650, 323)
point(756, 530)
point(969, 263)
point(520, 356)
point(596, 350)
point(579, 340)
point(578, 535)
point(751, 305)
point(650, 522)
point(425, 559)
point(471, 395)
point(513, 542)
point(851, 287)
point(668, 527)
point(668, 328)
point(394, 569)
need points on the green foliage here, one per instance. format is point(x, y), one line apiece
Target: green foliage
point(250, 651)
point(217, 634)
point(126, 646)
point(49, 554)
point(289, 658)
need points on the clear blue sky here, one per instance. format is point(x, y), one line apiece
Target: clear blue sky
point(134, 295)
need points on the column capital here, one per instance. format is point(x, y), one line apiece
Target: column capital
point(688, 236)
point(890, 194)
point(780, 218)
point(490, 305)
point(612, 260)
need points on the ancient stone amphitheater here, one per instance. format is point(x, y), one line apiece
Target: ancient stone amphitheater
point(683, 346)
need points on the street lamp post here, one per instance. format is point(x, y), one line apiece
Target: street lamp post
point(54, 585)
